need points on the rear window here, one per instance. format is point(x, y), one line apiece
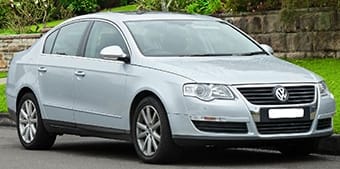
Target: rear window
point(69, 39)
point(49, 42)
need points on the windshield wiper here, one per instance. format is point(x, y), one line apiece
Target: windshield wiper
point(253, 53)
point(225, 54)
point(207, 55)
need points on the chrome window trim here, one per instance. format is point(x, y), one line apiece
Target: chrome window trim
point(84, 20)
point(41, 51)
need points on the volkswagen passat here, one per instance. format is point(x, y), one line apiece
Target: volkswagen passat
point(162, 81)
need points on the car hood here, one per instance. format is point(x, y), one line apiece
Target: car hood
point(233, 69)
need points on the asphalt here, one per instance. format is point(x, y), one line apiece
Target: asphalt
point(73, 152)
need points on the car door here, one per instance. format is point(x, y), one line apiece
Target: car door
point(99, 96)
point(57, 73)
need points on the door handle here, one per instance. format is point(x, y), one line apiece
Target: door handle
point(42, 69)
point(79, 73)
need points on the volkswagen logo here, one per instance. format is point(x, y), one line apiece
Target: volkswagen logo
point(281, 93)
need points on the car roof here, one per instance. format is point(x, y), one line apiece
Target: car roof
point(140, 16)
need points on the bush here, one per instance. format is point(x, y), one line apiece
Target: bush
point(81, 6)
point(4, 10)
point(171, 5)
point(265, 5)
point(24, 13)
point(251, 5)
point(206, 7)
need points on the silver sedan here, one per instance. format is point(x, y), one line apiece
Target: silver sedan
point(162, 81)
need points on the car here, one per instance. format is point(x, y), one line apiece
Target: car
point(164, 81)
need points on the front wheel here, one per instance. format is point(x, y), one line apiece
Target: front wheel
point(31, 130)
point(151, 133)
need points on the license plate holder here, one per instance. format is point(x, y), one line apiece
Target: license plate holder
point(288, 113)
point(264, 114)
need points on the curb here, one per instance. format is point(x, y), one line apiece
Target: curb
point(5, 120)
point(328, 146)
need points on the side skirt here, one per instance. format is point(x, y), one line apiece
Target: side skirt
point(61, 127)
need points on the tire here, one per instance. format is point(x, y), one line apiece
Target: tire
point(30, 128)
point(152, 144)
point(299, 149)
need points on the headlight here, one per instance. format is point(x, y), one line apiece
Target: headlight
point(207, 92)
point(323, 88)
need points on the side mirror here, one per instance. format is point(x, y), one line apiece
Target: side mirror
point(114, 53)
point(267, 48)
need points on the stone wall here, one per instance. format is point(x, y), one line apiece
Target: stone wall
point(10, 44)
point(314, 32)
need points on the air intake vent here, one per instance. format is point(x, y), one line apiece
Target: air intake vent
point(266, 95)
point(283, 127)
point(324, 124)
point(221, 127)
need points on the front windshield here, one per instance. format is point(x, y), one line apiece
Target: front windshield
point(190, 38)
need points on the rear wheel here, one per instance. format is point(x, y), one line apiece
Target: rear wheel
point(302, 148)
point(31, 131)
point(151, 133)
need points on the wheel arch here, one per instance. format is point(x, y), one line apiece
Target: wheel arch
point(139, 97)
point(21, 93)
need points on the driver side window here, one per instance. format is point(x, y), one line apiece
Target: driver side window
point(103, 35)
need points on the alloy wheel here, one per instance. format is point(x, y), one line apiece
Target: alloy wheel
point(148, 130)
point(28, 121)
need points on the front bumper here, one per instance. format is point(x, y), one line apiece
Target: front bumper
point(249, 141)
point(184, 131)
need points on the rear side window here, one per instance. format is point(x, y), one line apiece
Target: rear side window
point(49, 42)
point(69, 39)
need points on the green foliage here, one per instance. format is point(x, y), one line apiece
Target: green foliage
point(4, 10)
point(149, 5)
point(251, 5)
point(20, 14)
point(34, 28)
point(24, 13)
point(170, 5)
point(265, 5)
point(124, 2)
point(81, 6)
point(206, 7)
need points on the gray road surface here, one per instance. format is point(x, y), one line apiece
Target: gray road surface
point(73, 152)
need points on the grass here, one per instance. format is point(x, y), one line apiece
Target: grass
point(127, 8)
point(329, 69)
point(7, 31)
point(3, 75)
point(3, 103)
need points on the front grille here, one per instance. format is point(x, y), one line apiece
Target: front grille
point(283, 127)
point(324, 124)
point(266, 96)
point(221, 127)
